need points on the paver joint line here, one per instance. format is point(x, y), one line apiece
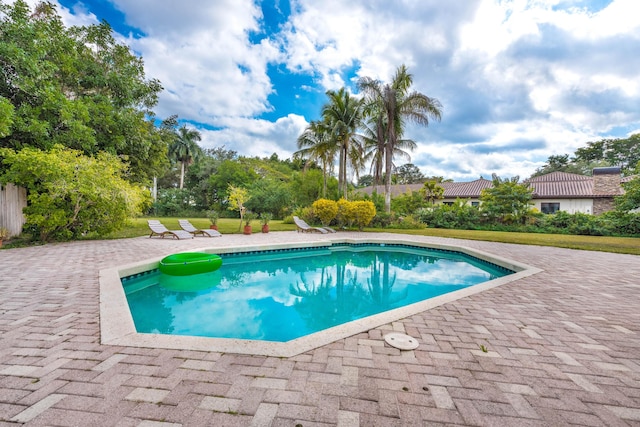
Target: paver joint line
point(559, 348)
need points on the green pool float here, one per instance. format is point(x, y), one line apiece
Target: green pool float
point(188, 263)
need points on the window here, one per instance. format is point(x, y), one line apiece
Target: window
point(549, 208)
point(475, 204)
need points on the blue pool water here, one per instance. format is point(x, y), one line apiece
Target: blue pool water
point(283, 295)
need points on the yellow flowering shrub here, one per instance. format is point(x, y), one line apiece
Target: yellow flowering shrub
point(325, 209)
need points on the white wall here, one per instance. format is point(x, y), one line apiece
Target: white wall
point(569, 205)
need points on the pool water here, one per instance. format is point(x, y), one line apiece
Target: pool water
point(283, 295)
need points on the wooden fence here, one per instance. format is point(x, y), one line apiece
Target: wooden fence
point(12, 200)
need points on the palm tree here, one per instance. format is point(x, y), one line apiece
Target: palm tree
point(392, 104)
point(343, 116)
point(185, 149)
point(316, 145)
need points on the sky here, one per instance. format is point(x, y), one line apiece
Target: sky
point(519, 80)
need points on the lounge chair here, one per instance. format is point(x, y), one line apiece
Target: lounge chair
point(189, 228)
point(158, 229)
point(306, 228)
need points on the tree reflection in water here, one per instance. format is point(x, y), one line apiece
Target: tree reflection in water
point(323, 302)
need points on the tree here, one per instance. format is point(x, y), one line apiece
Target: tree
point(6, 116)
point(238, 196)
point(316, 145)
point(432, 190)
point(365, 181)
point(392, 105)
point(507, 200)
point(185, 149)
point(230, 172)
point(615, 152)
point(630, 200)
point(77, 87)
point(71, 195)
point(268, 195)
point(343, 116)
point(558, 163)
point(409, 174)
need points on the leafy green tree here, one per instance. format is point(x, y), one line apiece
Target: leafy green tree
point(71, 195)
point(269, 195)
point(77, 87)
point(343, 116)
point(392, 105)
point(365, 181)
point(506, 201)
point(230, 172)
point(558, 163)
point(6, 116)
point(185, 149)
point(623, 152)
point(631, 198)
point(409, 174)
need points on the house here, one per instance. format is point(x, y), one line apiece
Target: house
point(555, 191)
point(574, 193)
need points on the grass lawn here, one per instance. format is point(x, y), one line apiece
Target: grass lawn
point(138, 227)
point(624, 245)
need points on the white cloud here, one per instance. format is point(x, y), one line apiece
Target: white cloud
point(519, 79)
point(257, 137)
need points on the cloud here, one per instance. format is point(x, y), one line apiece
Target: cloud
point(518, 80)
point(257, 137)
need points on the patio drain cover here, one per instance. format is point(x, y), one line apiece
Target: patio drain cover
point(401, 341)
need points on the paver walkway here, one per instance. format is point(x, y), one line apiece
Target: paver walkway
point(562, 347)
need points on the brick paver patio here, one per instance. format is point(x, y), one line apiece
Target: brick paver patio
point(562, 347)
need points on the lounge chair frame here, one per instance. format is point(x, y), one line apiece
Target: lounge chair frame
point(189, 228)
point(303, 227)
point(159, 229)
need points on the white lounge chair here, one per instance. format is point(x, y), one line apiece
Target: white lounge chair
point(306, 228)
point(189, 228)
point(158, 229)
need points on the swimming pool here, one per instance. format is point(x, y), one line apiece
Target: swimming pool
point(118, 327)
point(281, 295)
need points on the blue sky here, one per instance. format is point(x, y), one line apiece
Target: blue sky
point(519, 80)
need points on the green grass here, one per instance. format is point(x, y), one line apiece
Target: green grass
point(138, 227)
point(623, 245)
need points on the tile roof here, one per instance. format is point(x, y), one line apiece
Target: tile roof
point(465, 190)
point(559, 176)
point(552, 185)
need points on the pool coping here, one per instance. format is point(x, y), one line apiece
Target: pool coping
point(117, 326)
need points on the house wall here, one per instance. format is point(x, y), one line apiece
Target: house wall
point(568, 205)
point(603, 204)
point(449, 201)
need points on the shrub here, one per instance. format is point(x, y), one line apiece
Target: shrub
point(345, 214)
point(382, 219)
point(72, 195)
point(409, 223)
point(363, 212)
point(306, 214)
point(326, 210)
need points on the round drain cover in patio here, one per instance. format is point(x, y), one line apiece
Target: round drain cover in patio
point(401, 341)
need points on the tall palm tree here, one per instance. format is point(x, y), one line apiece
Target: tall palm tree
point(343, 116)
point(394, 104)
point(185, 149)
point(316, 145)
point(375, 146)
